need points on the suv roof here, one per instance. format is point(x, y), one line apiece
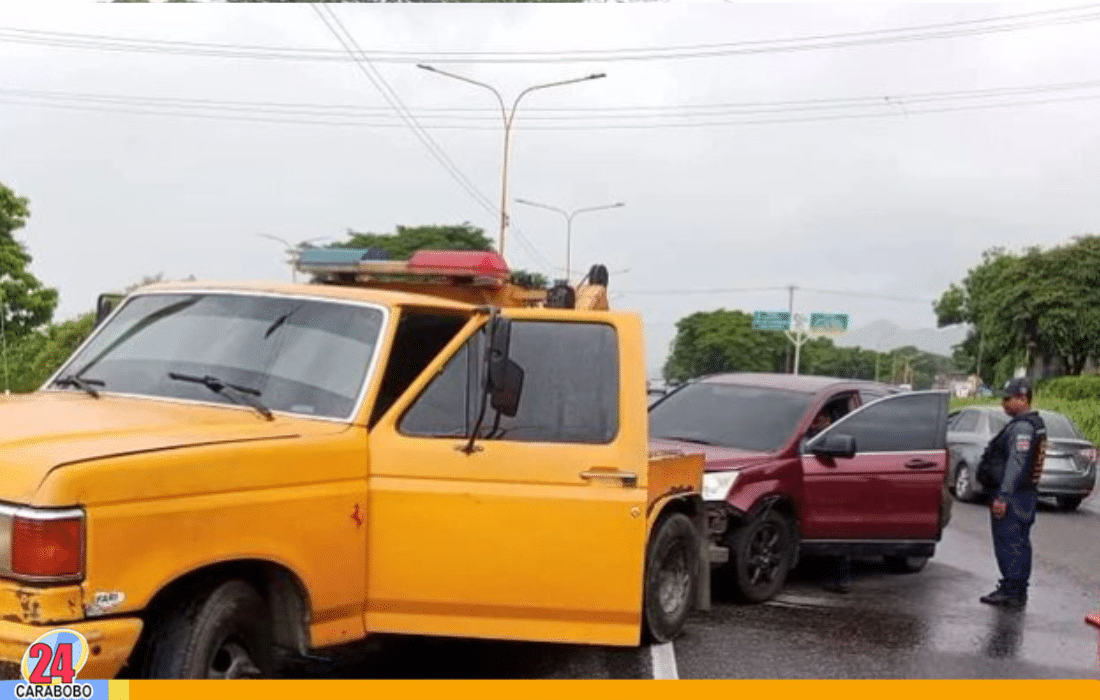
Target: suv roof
point(810, 384)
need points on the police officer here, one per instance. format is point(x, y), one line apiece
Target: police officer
point(1015, 457)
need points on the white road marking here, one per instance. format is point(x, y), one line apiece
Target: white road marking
point(664, 662)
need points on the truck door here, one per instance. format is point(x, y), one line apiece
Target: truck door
point(892, 487)
point(539, 532)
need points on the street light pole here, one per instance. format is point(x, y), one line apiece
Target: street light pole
point(569, 223)
point(507, 117)
point(292, 250)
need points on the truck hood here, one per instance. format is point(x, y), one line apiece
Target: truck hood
point(42, 431)
point(718, 458)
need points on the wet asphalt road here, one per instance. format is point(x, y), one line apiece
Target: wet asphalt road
point(924, 625)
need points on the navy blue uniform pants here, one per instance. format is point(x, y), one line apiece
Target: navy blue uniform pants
point(1012, 541)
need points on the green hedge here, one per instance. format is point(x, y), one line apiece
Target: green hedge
point(1071, 388)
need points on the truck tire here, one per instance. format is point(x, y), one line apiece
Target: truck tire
point(224, 633)
point(761, 552)
point(671, 577)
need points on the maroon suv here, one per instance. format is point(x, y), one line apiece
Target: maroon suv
point(872, 483)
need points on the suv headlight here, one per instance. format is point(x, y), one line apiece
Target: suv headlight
point(39, 545)
point(717, 485)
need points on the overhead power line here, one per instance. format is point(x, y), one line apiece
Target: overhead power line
point(347, 40)
point(863, 295)
point(611, 118)
point(942, 30)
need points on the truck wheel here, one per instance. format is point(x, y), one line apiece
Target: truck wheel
point(223, 634)
point(964, 485)
point(671, 577)
point(905, 565)
point(760, 557)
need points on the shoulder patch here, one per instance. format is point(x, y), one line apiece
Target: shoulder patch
point(1023, 443)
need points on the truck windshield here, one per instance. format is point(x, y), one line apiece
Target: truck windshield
point(747, 418)
point(302, 356)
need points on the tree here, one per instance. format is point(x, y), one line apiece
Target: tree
point(722, 341)
point(24, 303)
point(38, 354)
point(409, 239)
point(1037, 305)
point(406, 240)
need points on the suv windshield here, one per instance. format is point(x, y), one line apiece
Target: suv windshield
point(297, 355)
point(742, 417)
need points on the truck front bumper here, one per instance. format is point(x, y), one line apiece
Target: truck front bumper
point(111, 642)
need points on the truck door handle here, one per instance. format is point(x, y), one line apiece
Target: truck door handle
point(628, 478)
point(919, 464)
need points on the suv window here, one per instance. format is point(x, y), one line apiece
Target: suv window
point(888, 426)
point(570, 388)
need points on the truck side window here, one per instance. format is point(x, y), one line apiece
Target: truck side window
point(418, 339)
point(570, 391)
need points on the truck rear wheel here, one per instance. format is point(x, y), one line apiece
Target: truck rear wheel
point(225, 633)
point(671, 577)
point(760, 557)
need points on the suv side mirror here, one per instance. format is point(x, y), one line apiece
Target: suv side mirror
point(834, 445)
point(505, 376)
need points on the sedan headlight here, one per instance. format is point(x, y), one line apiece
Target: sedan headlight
point(717, 485)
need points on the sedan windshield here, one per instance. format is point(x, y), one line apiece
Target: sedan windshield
point(742, 417)
point(286, 354)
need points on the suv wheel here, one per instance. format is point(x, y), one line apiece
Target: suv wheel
point(905, 564)
point(760, 557)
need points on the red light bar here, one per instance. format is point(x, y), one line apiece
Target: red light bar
point(459, 262)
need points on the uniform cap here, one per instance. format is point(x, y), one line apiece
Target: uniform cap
point(1019, 386)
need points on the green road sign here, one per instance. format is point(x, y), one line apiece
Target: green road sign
point(828, 323)
point(771, 320)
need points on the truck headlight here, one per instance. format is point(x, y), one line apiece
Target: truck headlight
point(717, 485)
point(39, 545)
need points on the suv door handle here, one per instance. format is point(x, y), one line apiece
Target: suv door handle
point(919, 464)
point(628, 478)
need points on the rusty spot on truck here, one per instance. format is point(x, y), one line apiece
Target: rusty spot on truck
point(32, 609)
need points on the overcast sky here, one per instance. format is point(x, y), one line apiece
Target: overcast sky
point(869, 148)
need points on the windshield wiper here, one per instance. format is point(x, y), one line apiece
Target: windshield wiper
point(244, 393)
point(684, 438)
point(81, 383)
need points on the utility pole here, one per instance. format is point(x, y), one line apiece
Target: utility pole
point(790, 310)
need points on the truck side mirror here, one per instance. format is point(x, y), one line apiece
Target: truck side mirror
point(834, 445)
point(505, 376)
point(104, 305)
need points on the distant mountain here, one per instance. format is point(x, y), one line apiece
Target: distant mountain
point(885, 336)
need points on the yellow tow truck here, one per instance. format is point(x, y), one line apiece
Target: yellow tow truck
point(227, 472)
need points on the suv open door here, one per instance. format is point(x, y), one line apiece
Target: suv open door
point(878, 474)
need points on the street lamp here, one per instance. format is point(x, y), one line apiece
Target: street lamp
point(507, 117)
point(569, 222)
point(293, 250)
